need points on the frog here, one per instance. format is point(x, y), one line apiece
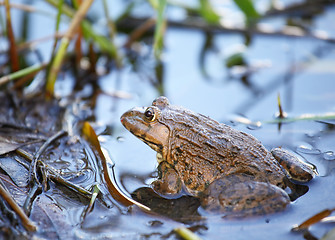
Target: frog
point(228, 170)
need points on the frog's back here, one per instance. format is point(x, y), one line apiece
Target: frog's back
point(203, 150)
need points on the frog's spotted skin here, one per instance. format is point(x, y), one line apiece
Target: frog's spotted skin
point(209, 160)
point(243, 196)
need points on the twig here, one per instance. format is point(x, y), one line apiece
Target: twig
point(34, 191)
point(33, 164)
point(27, 223)
point(262, 29)
point(33, 43)
point(23, 163)
point(139, 31)
point(53, 175)
point(304, 117)
point(23, 153)
point(59, 179)
point(299, 9)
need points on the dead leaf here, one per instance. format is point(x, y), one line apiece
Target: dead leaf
point(6, 147)
point(113, 189)
point(312, 220)
point(17, 172)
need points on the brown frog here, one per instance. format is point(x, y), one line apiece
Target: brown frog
point(228, 170)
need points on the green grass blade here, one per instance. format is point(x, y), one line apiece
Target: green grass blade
point(186, 234)
point(247, 7)
point(207, 12)
point(56, 65)
point(59, 13)
point(154, 4)
point(160, 29)
point(21, 73)
point(57, 62)
point(104, 43)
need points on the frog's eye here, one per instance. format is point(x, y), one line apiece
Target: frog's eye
point(150, 114)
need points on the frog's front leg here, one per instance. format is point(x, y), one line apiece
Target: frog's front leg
point(241, 196)
point(168, 183)
point(294, 168)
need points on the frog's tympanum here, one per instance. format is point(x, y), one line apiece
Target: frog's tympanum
point(228, 170)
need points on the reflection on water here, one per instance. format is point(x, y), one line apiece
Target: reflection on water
point(184, 209)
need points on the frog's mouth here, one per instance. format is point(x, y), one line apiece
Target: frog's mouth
point(157, 147)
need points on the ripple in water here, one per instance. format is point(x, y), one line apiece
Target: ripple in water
point(84, 178)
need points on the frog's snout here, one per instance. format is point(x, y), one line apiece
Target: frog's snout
point(132, 118)
point(125, 116)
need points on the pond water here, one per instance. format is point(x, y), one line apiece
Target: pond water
point(300, 69)
point(309, 90)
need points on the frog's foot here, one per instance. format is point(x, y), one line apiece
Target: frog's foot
point(169, 185)
point(165, 189)
point(294, 168)
point(240, 196)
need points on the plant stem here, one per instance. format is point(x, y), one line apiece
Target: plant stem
point(186, 234)
point(56, 64)
point(27, 223)
point(21, 73)
point(12, 46)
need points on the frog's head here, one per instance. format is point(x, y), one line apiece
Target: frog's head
point(145, 124)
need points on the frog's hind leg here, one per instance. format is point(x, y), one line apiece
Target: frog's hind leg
point(240, 196)
point(293, 167)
